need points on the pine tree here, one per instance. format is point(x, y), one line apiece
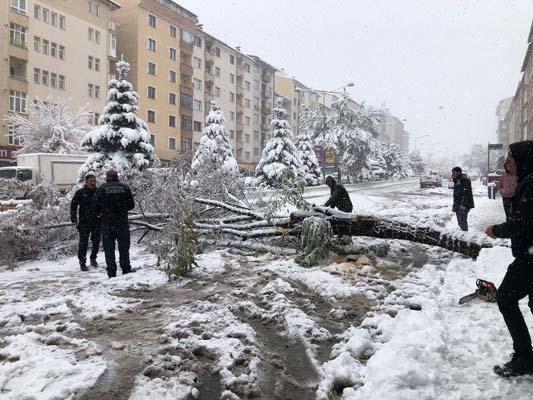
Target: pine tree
point(306, 151)
point(214, 153)
point(280, 163)
point(417, 163)
point(122, 140)
point(49, 127)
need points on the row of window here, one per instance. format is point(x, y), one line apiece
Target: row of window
point(46, 78)
point(185, 35)
point(93, 91)
point(49, 17)
point(19, 6)
point(94, 36)
point(48, 48)
point(17, 35)
point(94, 8)
point(93, 63)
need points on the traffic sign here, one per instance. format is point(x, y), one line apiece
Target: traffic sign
point(495, 146)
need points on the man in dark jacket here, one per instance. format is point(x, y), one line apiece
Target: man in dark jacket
point(88, 223)
point(339, 196)
point(518, 281)
point(463, 200)
point(113, 201)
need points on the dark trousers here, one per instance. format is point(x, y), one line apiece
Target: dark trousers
point(86, 231)
point(120, 233)
point(462, 219)
point(507, 206)
point(517, 284)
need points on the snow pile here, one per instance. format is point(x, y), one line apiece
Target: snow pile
point(121, 141)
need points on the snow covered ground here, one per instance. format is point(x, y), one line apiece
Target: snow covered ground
point(382, 325)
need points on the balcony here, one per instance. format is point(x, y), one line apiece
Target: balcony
point(186, 47)
point(267, 76)
point(187, 89)
point(186, 69)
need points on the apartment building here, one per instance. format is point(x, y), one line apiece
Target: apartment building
point(157, 38)
point(245, 115)
point(53, 49)
point(502, 132)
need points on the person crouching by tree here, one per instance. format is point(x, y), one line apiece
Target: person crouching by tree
point(507, 184)
point(463, 199)
point(87, 221)
point(518, 281)
point(113, 201)
point(339, 196)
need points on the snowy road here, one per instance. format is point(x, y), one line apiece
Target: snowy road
point(383, 324)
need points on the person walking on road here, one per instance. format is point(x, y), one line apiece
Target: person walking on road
point(113, 201)
point(87, 222)
point(518, 281)
point(463, 199)
point(339, 196)
point(507, 185)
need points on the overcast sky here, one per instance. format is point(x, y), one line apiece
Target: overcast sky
point(441, 64)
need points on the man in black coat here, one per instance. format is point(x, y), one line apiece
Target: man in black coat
point(113, 201)
point(339, 196)
point(87, 222)
point(518, 281)
point(463, 199)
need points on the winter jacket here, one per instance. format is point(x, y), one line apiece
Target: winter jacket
point(340, 199)
point(113, 201)
point(507, 185)
point(462, 193)
point(82, 210)
point(519, 224)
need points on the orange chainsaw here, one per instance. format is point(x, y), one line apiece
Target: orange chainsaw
point(485, 291)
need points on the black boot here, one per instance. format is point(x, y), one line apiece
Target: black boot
point(94, 264)
point(518, 365)
point(83, 267)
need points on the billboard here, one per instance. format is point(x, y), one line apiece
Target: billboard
point(330, 157)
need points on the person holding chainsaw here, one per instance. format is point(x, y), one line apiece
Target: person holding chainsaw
point(518, 281)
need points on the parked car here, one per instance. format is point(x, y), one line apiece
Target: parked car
point(431, 179)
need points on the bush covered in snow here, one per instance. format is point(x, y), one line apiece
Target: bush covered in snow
point(121, 140)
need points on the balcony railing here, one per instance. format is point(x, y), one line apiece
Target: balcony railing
point(20, 78)
point(18, 43)
point(186, 47)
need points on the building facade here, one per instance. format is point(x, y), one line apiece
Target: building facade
point(53, 49)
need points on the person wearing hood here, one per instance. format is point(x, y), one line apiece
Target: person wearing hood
point(339, 196)
point(463, 200)
point(518, 281)
point(507, 185)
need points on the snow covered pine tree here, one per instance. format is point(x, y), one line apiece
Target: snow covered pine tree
point(280, 162)
point(121, 141)
point(213, 160)
point(306, 151)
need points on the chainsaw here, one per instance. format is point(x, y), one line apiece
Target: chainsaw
point(485, 291)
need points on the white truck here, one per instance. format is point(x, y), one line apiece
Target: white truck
point(59, 169)
point(431, 179)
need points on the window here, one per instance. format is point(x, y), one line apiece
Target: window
point(197, 105)
point(61, 82)
point(151, 45)
point(151, 92)
point(19, 6)
point(197, 84)
point(247, 103)
point(62, 24)
point(151, 116)
point(44, 78)
point(172, 121)
point(91, 34)
point(97, 64)
point(247, 138)
point(17, 101)
point(152, 140)
point(61, 52)
point(46, 46)
point(53, 80)
point(186, 123)
point(90, 90)
point(187, 36)
point(93, 8)
point(232, 78)
point(46, 14)
point(36, 11)
point(97, 37)
point(36, 75)
point(96, 91)
point(198, 41)
point(90, 62)
point(197, 126)
point(151, 68)
point(217, 91)
point(232, 97)
point(232, 59)
point(256, 152)
point(247, 85)
point(14, 139)
point(53, 50)
point(152, 20)
point(172, 54)
point(217, 72)
point(172, 143)
point(217, 51)
point(247, 120)
point(186, 144)
point(172, 98)
point(231, 134)
point(53, 19)
point(247, 67)
point(37, 43)
point(232, 115)
point(173, 31)
point(17, 35)
point(172, 76)
point(113, 43)
point(186, 101)
point(96, 118)
point(197, 63)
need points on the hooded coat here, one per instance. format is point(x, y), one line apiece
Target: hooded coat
point(519, 224)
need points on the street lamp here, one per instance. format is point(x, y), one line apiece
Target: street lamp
point(420, 137)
